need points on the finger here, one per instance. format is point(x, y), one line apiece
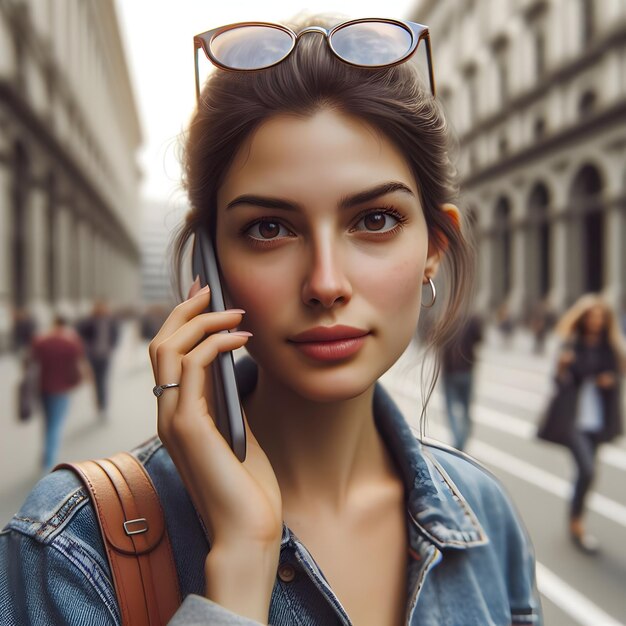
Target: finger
point(192, 431)
point(194, 365)
point(184, 311)
point(195, 287)
point(190, 334)
point(181, 314)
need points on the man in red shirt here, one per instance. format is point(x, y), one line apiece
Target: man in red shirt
point(59, 355)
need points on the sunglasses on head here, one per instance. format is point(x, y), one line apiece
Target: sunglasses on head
point(369, 43)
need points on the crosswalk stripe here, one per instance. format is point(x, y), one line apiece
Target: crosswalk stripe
point(571, 601)
point(609, 454)
point(544, 480)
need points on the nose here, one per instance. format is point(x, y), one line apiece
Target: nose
point(326, 283)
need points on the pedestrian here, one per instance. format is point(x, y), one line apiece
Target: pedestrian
point(100, 332)
point(585, 411)
point(23, 330)
point(541, 321)
point(457, 361)
point(325, 185)
point(505, 323)
point(59, 359)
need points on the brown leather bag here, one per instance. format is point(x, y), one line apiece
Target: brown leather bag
point(135, 538)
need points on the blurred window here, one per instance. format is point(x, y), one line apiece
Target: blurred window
point(503, 146)
point(501, 56)
point(471, 81)
point(502, 242)
point(587, 103)
point(539, 44)
point(539, 201)
point(587, 204)
point(539, 128)
point(587, 20)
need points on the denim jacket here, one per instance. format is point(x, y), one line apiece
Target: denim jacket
point(469, 562)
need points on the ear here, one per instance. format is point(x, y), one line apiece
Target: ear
point(437, 248)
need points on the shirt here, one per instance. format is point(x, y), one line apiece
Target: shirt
point(469, 561)
point(58, 357)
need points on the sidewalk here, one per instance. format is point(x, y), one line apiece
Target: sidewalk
point(131, 421)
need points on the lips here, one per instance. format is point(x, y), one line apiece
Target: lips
point(330, 343)
point(329, 333)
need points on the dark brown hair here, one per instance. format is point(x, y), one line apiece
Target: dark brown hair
point(393, 100)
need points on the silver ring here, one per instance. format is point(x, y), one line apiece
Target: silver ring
point(158, 390)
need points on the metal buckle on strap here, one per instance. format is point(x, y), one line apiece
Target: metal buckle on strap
point(140, 520)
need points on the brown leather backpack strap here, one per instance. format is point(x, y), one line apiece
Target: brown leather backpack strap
point(135, 538)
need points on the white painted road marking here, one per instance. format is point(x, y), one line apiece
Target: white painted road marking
point(570, 601)
point(609, 454)
point(544, 480)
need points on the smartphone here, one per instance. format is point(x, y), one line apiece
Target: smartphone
point(229, 418)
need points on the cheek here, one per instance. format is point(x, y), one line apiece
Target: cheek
point(259, 293)
point(394, 287)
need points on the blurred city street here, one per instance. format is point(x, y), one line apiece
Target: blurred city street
point(131, 420)
point(94, 115)
point(512, 388)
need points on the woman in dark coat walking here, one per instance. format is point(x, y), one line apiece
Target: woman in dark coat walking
point(586, 410)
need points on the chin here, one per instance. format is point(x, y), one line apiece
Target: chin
point(337, 382)
point(331, 386)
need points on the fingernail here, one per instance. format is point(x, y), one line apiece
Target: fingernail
point(241, 333)
point(234, 311)
point(204, 290)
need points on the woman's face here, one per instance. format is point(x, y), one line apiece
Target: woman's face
point(320, 227)
point(595, 320)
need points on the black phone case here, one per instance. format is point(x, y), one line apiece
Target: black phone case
point(229, 418)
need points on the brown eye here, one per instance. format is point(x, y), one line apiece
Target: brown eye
point(269, 230)
point(375, 221)
point(379, 221)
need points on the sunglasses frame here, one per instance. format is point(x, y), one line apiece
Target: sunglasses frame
point(417, 31)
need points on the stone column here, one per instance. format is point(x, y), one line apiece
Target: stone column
point(560, 259)
point(615, 230)
point(485, 264)
point(63, 243)
point(86, 250)
point(36, 255)
point(518, 294)
point(5, 257)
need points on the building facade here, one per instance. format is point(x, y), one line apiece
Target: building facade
point(536, 93)
point(69, 179)
point(159, 224)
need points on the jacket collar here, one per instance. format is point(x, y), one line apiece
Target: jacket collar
point(436, 508)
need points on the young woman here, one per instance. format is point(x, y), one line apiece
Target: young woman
point(324, 180)
point(586, 410)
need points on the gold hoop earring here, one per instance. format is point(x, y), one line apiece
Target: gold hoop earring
point(434, 292)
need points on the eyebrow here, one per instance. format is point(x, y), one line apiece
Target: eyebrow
point(268, 202)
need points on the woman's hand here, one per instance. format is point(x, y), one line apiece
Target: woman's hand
point(566, 358)
point(240, 503)
point(605, 380)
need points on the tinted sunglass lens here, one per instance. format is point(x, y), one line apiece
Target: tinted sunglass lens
point(372, 43)
point(251, 47)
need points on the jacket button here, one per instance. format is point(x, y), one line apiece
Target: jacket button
point(286, 573)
